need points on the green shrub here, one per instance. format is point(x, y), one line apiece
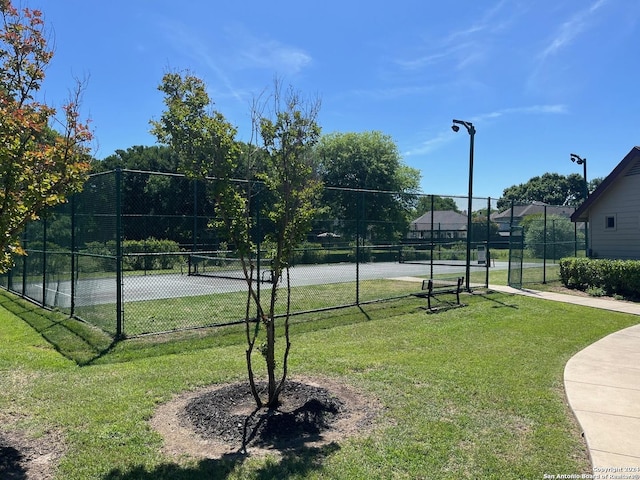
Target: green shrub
point(149, 254)
point(613, 277)
point(144, 254)
point(553, 239)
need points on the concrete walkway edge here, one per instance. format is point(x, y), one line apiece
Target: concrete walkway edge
point(602, 384)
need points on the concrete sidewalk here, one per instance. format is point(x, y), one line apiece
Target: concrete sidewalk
point(602, 384)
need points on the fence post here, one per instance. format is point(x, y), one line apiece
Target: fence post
point(25, 243)
point(488, 253)
point(194, 234)
point(359, 238)
point(432, 240)
point(72, 277)
point(258, 240)
point(44, 258)
point(510, 233)
point(119, 306)
point(544, 248)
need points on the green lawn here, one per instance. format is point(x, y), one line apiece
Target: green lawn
point(473, 392)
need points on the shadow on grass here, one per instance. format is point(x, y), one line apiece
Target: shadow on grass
point(297, 463)
point(11, 463)
point(495, 297)
point(72, 338)
point(88, 345)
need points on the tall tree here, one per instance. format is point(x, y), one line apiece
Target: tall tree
point(356, 162)
point(39, 165)
point(439, 204)
point(550, 188)
point(156, 158)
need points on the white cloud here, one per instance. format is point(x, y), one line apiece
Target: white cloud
point(469, 45)
point(444, 137)
point(430, 145)
point(570, 29)
point(272, 55)
point(557, 109)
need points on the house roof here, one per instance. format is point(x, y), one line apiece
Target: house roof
point(520, 211)
point(442, 220)
point(629, 162)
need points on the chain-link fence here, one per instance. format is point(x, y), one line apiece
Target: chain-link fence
point(139, 252)
point(537, 236)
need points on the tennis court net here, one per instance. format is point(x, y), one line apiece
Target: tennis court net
point(212, 265)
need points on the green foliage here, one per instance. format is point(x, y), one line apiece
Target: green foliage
point(368, 160)
point(439, 204)
point(550, 188)
point(559, 240)
point(155, 158)
point(280, 179)
point(202, 139)
point(615, 277)
point(289, 176)
point(150, 254)
point(39, 167)
point(292, 190)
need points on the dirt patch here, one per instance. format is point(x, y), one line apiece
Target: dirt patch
point(22, 457)
point(223, 420)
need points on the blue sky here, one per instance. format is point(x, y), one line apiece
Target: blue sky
point(539, 80)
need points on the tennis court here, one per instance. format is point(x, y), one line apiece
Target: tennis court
point(135, 288)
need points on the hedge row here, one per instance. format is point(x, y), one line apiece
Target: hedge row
point(149, 254)
point(614, 277)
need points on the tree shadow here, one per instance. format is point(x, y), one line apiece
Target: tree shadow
point(285, 431)
point(294, 462)
point(72, 338)
point(11, 464)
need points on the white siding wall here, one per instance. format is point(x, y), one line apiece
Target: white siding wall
point(622, 201)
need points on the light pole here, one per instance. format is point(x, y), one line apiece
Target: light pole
point(583, 161)
point(472, 132)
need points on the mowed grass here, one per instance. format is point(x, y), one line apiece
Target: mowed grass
point(155, 316)
point(473, 392)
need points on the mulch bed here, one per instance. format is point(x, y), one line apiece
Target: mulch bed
point(229, 414)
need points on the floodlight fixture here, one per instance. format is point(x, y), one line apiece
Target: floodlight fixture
point(578, 160)
point(468, 125)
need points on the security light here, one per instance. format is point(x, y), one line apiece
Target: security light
point(577, 159)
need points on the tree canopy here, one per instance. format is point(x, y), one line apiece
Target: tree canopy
point(425, 202)
point(39, 165)
point(549, 188)
point(367, 161)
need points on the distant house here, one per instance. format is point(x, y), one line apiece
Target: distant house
point(505, 218)
point(442, 224)
point(613, 212)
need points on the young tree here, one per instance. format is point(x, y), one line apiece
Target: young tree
point(39, 166)
point(287, 133)
point(278, 170)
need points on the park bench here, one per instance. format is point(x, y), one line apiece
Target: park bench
point(436, 286)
